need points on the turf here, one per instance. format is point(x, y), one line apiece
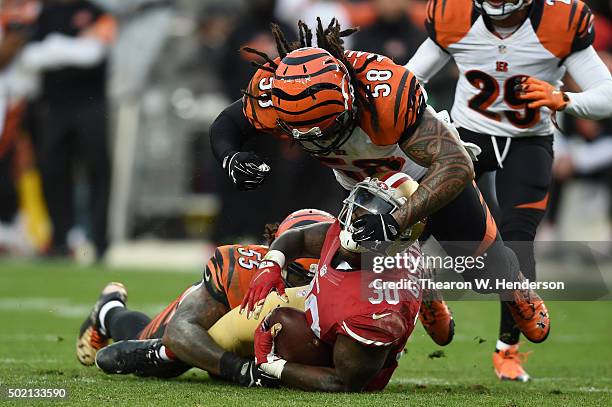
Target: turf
point(42, 306)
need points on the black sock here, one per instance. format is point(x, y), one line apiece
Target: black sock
point(508, 331)
point(121, 323)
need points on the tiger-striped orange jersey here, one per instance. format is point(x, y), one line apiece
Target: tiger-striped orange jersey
point(226, 278)
point(399, 101)
point(228, 272)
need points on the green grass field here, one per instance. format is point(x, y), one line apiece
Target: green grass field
point(42, 306)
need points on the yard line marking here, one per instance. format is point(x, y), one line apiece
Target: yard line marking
point(63, 307)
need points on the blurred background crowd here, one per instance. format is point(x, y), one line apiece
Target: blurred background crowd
point(105, 107)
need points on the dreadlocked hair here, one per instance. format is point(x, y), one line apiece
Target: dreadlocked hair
point(270, 232)
point(329, 39)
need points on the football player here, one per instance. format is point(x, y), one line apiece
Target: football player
point(511, 56)
point(177, 339)
point(366, 325)
point(360, 114)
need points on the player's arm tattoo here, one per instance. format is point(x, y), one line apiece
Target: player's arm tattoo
point(306, 241)
point(450, 169)
point(355, 366)
point(187, 333)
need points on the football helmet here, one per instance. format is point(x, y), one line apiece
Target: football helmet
point(314, 99)
point(381, 194)
point(301, 271)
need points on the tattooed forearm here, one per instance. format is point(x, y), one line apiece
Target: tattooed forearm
point(186, 334)
point(450, 169)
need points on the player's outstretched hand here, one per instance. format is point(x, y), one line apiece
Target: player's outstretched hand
point(246, 170)
point(267, 279)
point(371, 227)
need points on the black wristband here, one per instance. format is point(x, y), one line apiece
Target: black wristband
point(230, 366)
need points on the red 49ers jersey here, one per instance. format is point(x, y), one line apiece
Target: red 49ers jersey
point(372, 147)
point(338, 303)
point(489, 66)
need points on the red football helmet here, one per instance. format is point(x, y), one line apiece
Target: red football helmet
point(314, 99)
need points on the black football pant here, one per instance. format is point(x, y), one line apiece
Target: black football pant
point(521, 186)
point(8, 193)
point(68, 134)
point(466, 228)
point(123, 324)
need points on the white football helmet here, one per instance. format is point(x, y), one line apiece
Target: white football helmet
point(381, 194)
point(502, 11)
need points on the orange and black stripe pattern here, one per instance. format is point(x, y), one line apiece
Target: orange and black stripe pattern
point(303, 217)
point(258, 109)
point(448, 21)
point(399, 98)
point(157, 326)
point(563, 28)
point(311, 89)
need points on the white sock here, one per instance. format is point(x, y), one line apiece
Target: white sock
point(502, 345)
point(104, 310)
point(162, 354)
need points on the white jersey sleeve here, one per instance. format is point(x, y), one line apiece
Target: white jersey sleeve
point(593, 77)
point(427, 61)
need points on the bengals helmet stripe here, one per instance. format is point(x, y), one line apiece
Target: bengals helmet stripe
point(303, 217)
point(312, 94)
point(327, 102)
point(308, 75)
point(302, 59)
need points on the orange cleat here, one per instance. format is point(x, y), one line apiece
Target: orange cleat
point(508, 364)
point(90, 339)
point(530, 314)
point(437, 320)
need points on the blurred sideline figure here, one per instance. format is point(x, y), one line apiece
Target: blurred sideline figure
point(69, 50)
point(393, 33)
point(24, 227)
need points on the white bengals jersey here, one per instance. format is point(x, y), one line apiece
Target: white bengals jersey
point(359, 158)
point(490, 67)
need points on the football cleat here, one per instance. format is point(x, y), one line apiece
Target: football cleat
point(508, 364)
point(438, 321)
point(530, 314)
point(90, 339)
point(139, 357)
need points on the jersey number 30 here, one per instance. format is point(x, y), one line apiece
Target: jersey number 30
point(489, 91)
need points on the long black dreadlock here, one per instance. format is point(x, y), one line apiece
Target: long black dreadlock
point(329, 39)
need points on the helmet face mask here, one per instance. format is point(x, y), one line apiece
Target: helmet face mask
point(369, 196)
point(323, 142)
point(500, 12)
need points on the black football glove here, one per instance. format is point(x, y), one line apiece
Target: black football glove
point(246, 170)
point(251, 375)
point(370, 227)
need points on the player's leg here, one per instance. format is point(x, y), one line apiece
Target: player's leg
point(93, 145)
point(522, 193)
point(54, 156)
point(138, 348)
point(465, 227)
point(93, 334)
